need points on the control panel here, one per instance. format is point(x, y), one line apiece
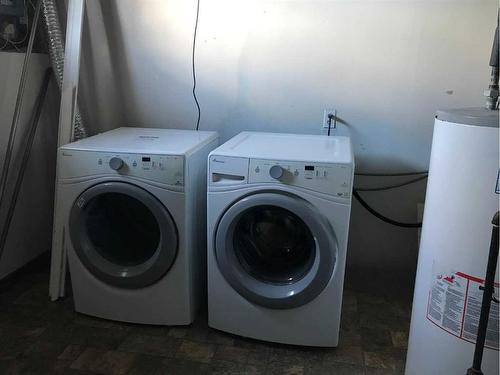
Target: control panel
point(333, 179)
point(165, 169)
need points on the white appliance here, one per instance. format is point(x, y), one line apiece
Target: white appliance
point(278, 219)
point(462, 197)
point(130, 202)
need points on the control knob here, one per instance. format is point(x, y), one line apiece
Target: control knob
point(115, 163)
point(276, 172)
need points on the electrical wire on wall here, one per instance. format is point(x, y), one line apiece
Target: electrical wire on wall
point(389, 187)
point(390, 174)
point(377, 214)
point(382, 217)
point(194, 65)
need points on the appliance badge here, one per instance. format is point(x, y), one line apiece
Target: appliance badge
point(148, 137)
point(81, 202)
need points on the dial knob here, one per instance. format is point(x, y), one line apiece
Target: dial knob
point(276, 172)
point(115, 163)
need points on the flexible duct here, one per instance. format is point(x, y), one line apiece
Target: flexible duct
point(55, 42)
point(493, 91)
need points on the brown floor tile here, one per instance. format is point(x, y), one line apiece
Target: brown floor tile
point(10, 367)
point(344, 354)
point(349, 303)
point(375, 339)
point(349, 322)
point(399, 339)
point(146, 364)
point(182, 367)
point(283, 368)
point(71, 352)
point(16, 341)
point(196, 351)
point(231, 354)
point(38, 337)
point(73, 334)
point(220, 338)
point(220, 367)
point(153, 345)
point(349, 338)
point(379, 371)
point(287, 355)
point(86, 359)
point(44, 349)
point(258, 355)
point(335, 369)
point(380, 360)
point(178, 332)
point(89, 321)
point(107, 362)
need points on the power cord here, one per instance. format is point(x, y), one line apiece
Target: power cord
point(397, 174)
point(330, 118)
point(382, 217)
point(389, 187)
point(194, 67)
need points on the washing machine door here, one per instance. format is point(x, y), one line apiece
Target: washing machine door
point(275, 249)
point(123, 234)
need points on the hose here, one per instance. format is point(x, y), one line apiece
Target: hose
point(493, 90)
point(390, 187)
point(19, 106)
point(396, 174)
point(382, 217)
point(26, 155)
point(55, 42)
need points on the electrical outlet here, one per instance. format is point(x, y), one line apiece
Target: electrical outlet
point(327, 112)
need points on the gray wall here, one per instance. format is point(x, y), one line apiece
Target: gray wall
point(386, 66)
point(31, 228)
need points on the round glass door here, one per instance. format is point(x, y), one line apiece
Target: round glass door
point(123, 235)
point(275, 250)
point(274, 245)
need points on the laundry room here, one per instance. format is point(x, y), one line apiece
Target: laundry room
point(249, 187)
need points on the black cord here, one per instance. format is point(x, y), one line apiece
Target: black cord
point(382, 217)
point(194, 68)
point(390, 174)
point(389, 187)
point(330, 117)
point(329, 123)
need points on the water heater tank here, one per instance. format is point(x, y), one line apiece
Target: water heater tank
point(462, 197)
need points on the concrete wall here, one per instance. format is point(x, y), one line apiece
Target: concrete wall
point(31, 227)
point(386, 66)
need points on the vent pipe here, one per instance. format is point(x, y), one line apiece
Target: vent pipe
point(492, 93)
point(55, 42)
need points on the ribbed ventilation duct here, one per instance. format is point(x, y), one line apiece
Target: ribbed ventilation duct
point(55, 42)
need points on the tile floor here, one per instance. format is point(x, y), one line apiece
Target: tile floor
point(41, 337)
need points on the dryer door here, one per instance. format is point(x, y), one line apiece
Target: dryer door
point(276, 250)
point(123, 235)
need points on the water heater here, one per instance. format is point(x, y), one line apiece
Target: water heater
point(462, 197)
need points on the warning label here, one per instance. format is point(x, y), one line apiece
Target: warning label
point(455, 306)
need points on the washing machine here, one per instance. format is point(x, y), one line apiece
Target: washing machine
point(278, 219)
point(130, 202)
